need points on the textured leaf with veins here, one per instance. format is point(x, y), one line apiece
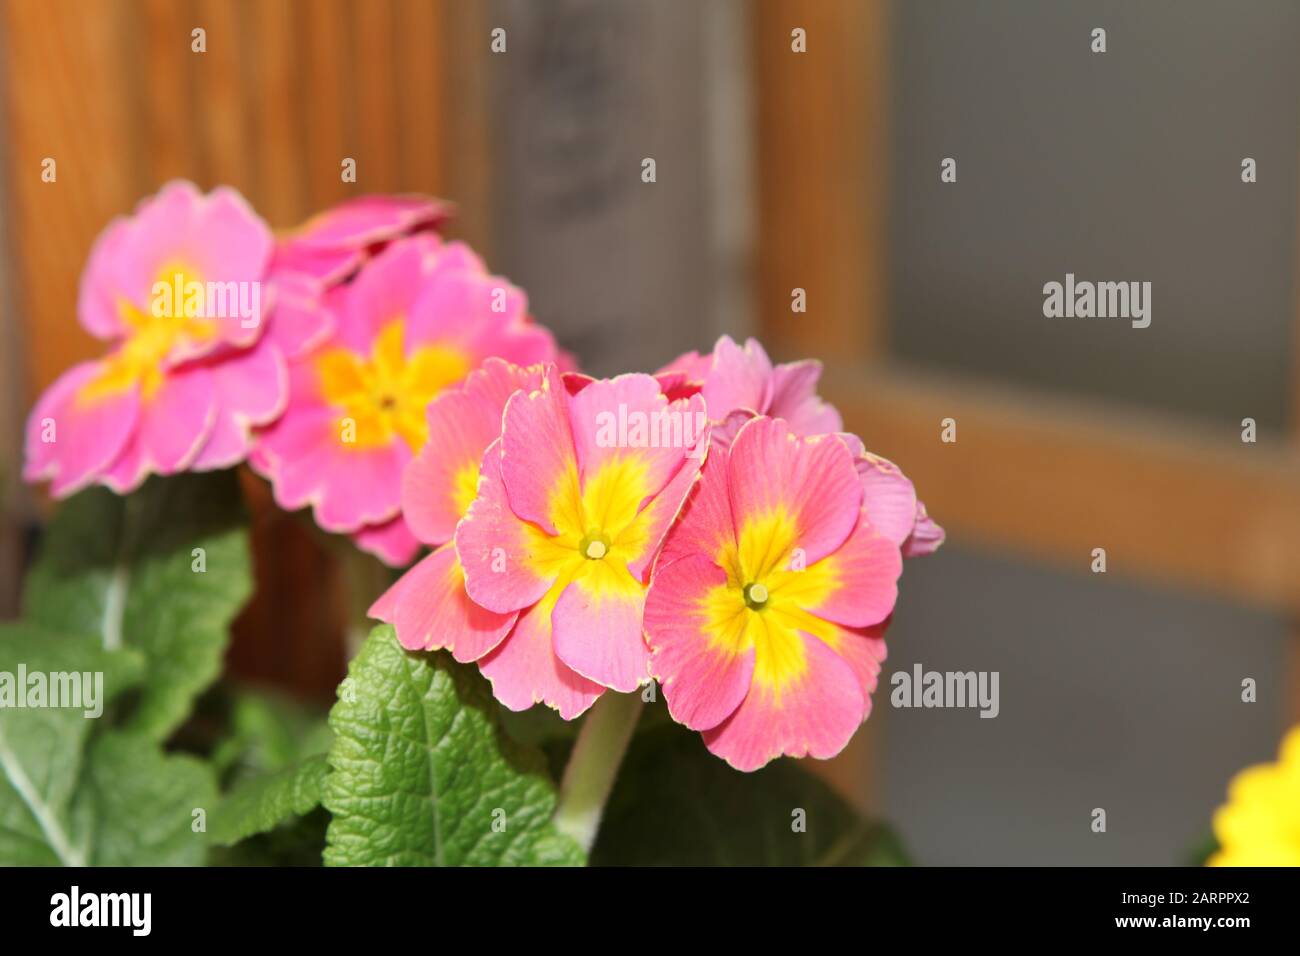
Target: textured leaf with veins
point(422, 774)
point(264, 802)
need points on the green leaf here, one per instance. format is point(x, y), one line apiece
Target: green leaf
point(142, 802)
point(122, 570)
point(267, 733)
point(676, 804)
point(263, 803)
point(422, 774)
point(41, 748)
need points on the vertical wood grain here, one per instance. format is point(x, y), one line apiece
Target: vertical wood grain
point(225, 156)
point(159, 44)
point(67, 98)
point(274, 103)
point(328, 102)
point(821, 129)
point(421, 114)
point(374, 81)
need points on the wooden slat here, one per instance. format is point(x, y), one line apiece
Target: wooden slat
point(79, 116)
point(328, 103)
point(225, 158)
point(273, 101)
point(374, 81)
point(420, 94)
point(159, 35)
point(1038, 476)
point(820, 130)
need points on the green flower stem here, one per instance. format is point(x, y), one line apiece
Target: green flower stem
point(589, 777)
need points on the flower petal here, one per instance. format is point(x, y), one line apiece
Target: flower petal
point(509, 563)
point(302, 313)
point(391, 542)
point(863, 649)
point(692, 365)
point(252, 389)
point(87, 434)
point(524, 669)
point(641, 542)
point(430, 610)
point(597, 626)
point(705, 526)
point(461, 302)
point(856, 585)
point(383, 291)
point(887, 495)
point(926, 535)
point(739, 378)
point(441, 482)
point(174, 423)
point(794, 398)
point(97, 299)
point(809, 484)
point(704, 665)
point(630, 416)
point(366, 220)
point(538, 465)
point(350, 485)
point(811, 708)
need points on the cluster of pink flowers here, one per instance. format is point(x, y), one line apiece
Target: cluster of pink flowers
point(312, 356)
point(709, 526)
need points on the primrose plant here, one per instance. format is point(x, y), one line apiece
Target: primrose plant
point(604, 608)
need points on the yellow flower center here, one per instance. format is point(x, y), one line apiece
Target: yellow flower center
point(600, 530)
point(594, 546)
point(764, 603)
point(152, 335)
point(756, 595)
point(384, 396)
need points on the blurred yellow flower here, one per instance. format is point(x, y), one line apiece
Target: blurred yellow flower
point(1260, 823)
